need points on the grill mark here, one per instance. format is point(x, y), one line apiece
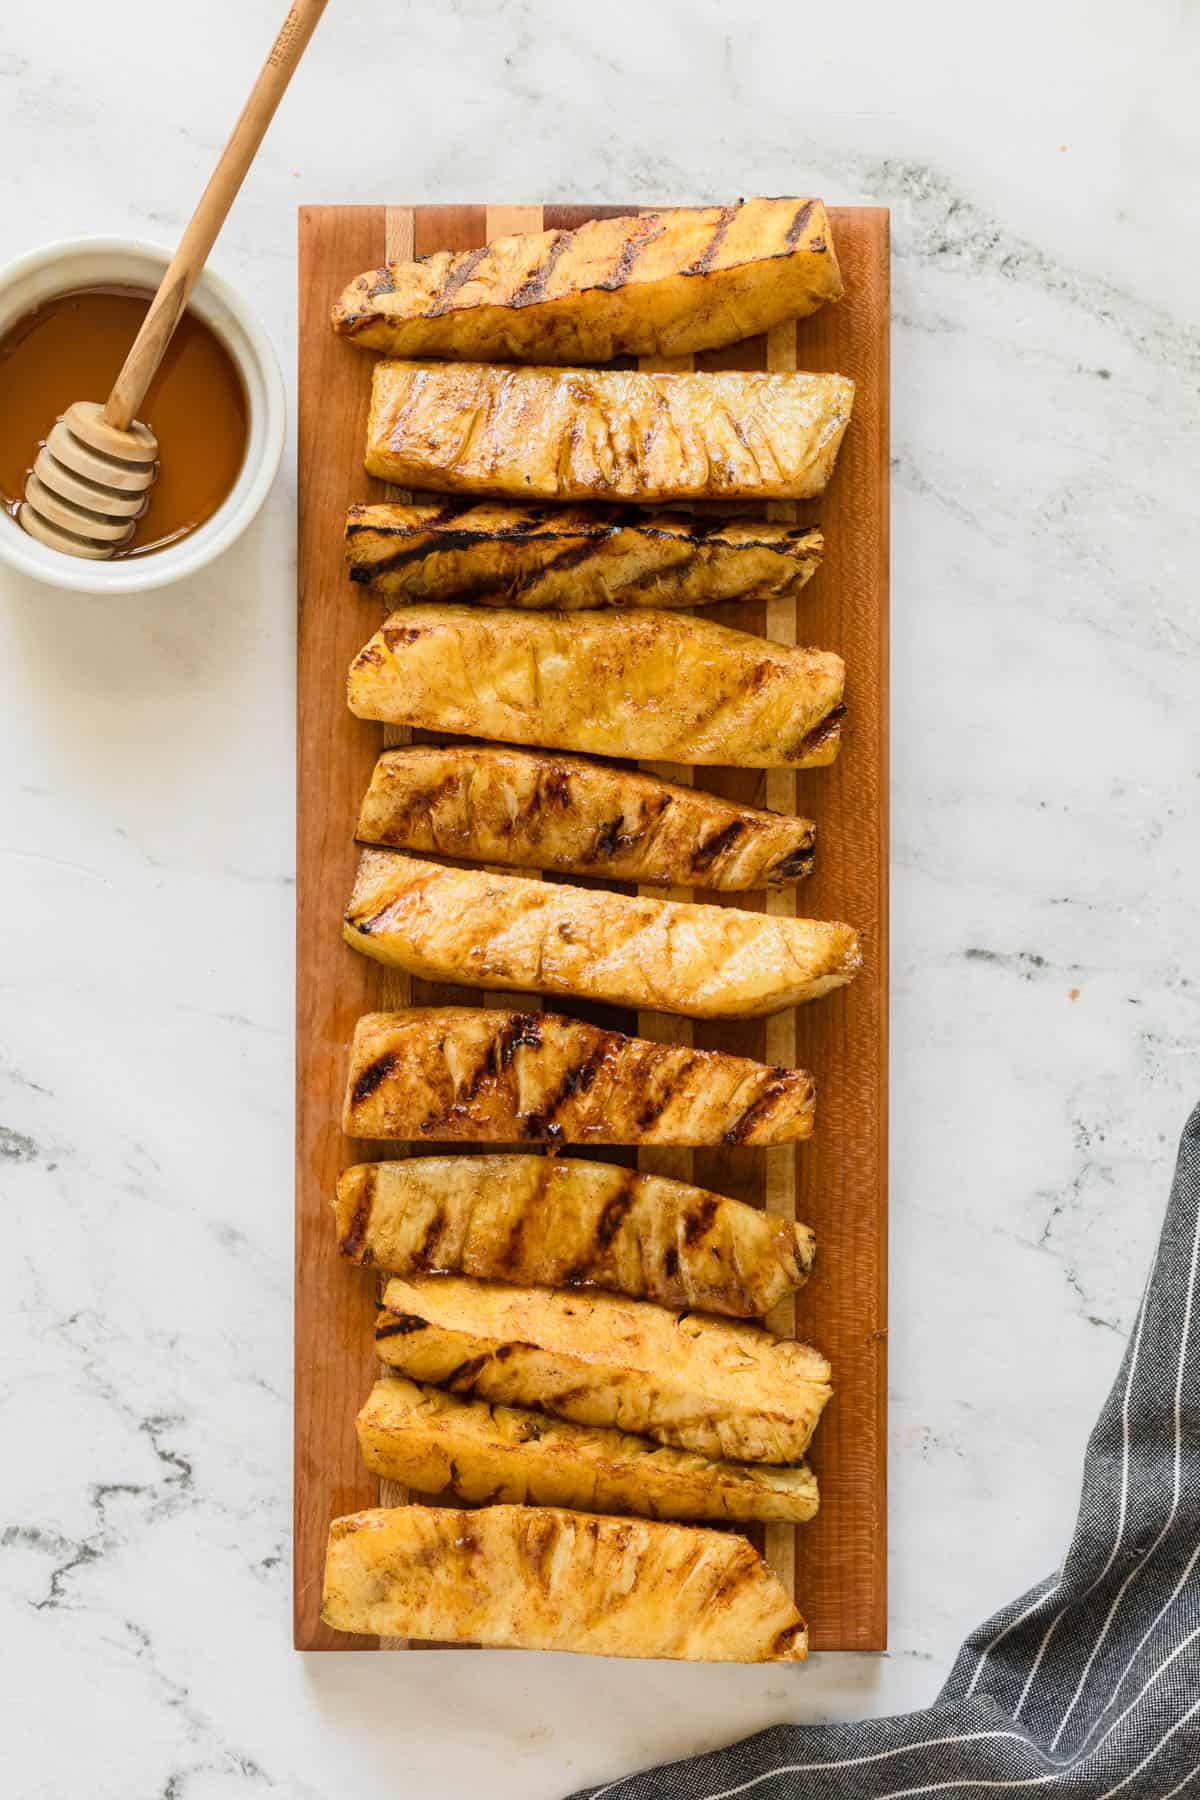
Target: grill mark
point(660, 417)
point(449, 509)
point(705, 720)
point(531, 523)
point(783, 543)
point(512, 1255)
point(433, 1231)
point(460, 1379)
point(792, 235)
point(365, 925)
point(785, 1640)
point(373, 1076)
point(527, 525)
point(706, 854)
point(652, 1110)
point(705, 528)
point(399, 635)
point(655, 1107)
point(412, 394)
point(524, 822)
point(533, 288)
point(580, 1079)
point(521, 1029)
point(673, 575)
point(528, 582)
point(700, 1220)
point(671, 1262)
point(567, 1396)
point(555, 788)
point(577, 1080)
point(612, 1218)
point(425, 545)
point(358, 522)
point(462, 591)
point(540, 1538)
point(458, 276)
point(566, 559)
point(610, 838)
point(490, 1067)
point(533, 1126)
point(796, 863)
point(642, 234)
point(759, 1109)
point(352, 1243)
point(485, 1070)
point(401, 1325)
point(419, 804)
point(547, 786)
point(819, 734)
point(743, 1570)
point(703, 262)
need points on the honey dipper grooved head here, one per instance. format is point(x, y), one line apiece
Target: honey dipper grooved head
point(90, 484)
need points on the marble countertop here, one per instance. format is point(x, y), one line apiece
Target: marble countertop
point(1040, 164)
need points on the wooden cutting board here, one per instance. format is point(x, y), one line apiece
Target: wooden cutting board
point(838, 1181)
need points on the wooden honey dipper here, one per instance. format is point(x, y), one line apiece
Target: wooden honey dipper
point(92, 478)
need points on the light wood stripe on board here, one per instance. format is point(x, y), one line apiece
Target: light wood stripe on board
point(507, 221)
point(396, 985)
point(667, 1028)
point(781, 1027)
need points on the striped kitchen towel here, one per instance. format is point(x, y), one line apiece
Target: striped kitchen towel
point(1089, 1685)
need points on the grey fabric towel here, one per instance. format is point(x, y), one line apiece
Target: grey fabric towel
point(1087, 1686)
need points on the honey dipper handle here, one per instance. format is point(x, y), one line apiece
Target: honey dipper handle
point(166, 308)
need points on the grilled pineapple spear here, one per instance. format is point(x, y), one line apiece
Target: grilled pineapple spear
point(539, 810)
point(466, 1074)
point(434, 1442)
point(509, 932)
point(665, 283)
point(649, 686)
point(716, 1386)
point(605, 434)
point(537, 1578)
point(556, 1221)
point(572, 558)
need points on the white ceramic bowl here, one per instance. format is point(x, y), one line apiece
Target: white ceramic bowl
point(98, 262)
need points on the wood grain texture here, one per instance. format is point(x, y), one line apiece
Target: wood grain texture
point(838, 1181)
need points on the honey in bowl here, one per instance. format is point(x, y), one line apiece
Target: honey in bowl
point(71, 348)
